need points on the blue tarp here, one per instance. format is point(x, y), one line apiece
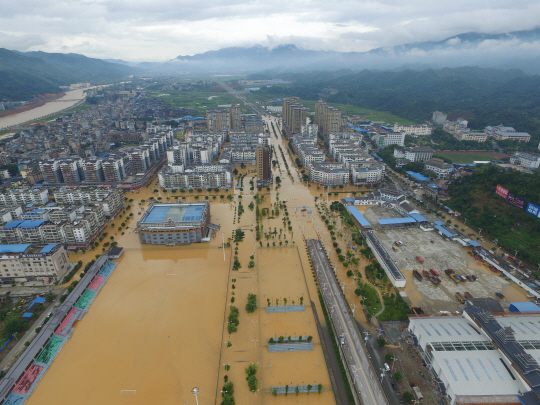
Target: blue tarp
point(395, 221)
point(524, 307)
point(358, 216)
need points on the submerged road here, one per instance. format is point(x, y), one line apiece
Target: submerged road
point(366, 385)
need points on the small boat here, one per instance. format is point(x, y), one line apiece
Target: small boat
point(417, 275)
point(419, 258)
point(426, 274)
point(434, 273)
point(499, 295)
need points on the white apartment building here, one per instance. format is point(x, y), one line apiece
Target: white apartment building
point(415, 154)
point(329, 173)
point(526, 159)
point(196, 176)
point(391, 138)
point(414, 130)
point(112, 199)
point(27, 262)
point(25, 196)
point(310, 130)
point(368, 172)
point(437, 166)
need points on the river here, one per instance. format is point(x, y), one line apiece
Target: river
point(68, 100)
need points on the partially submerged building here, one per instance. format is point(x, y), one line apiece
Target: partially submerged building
point(175, 224)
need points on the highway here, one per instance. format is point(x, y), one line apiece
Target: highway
point(241, 97)
point(367, 388)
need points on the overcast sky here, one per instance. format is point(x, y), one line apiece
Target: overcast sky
point(159, 30)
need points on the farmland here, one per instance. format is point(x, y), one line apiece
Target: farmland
point(199, 100)
point(469, 157)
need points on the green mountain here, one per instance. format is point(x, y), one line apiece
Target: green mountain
point(23, 75)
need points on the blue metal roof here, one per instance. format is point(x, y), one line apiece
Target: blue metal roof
point(349, 199)
point(418, 176)
point(32, 224)
point(358, 216)
point(444, 231)
point(48, 248)
point(13, 224)
point(524, 307)
point(474, 243)
point(394, 221)
point(418, 217)
point(18, 248)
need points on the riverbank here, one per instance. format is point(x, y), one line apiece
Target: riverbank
point(70, 99)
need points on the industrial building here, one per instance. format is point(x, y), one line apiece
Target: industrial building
point(175, 224)
point(29, 262)
point(481, 357)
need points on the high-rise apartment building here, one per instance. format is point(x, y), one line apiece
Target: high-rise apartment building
point(294, 114)
point(328, 118)
point(264, 164)
point(224, 118)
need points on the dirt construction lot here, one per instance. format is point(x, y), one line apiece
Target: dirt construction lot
point(440, 255)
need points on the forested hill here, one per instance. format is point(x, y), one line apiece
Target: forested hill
point(23, 75)
point(484, 96)
point(474, 197)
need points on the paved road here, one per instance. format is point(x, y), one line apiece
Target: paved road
point(241, 97)
point(367, 385)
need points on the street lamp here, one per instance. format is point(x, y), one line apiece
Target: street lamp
point(195, 391)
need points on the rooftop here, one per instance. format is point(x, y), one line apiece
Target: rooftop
point(394, 221)
point(159, 213)
point(358, 216)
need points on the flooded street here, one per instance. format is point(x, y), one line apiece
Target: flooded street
point(159, 326)
point(71, 98)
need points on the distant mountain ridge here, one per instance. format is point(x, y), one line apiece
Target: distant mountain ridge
point(26, 74)
point(486, 50)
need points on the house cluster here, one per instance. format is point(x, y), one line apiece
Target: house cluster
point(203, 160)
point(193, 164)
point(129, 166)
point(91, 146)
point(461, 132)
point(75, 220)
point(350, 163)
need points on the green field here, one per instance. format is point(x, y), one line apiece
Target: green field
point(463, 157)
point(196, 99)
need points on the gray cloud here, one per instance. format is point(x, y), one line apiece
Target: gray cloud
point(163, 29)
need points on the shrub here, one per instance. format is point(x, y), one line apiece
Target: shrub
point(251, 305)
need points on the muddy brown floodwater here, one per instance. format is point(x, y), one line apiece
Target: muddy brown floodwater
point(158, 327)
